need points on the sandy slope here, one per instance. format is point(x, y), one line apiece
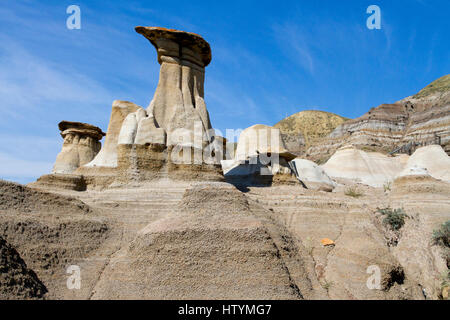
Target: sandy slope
point(17, 281)
point(209, 240)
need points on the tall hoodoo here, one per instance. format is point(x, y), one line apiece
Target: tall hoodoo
point(172, 138)
point(179, 98)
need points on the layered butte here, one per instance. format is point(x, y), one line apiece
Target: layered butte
point(421, 119)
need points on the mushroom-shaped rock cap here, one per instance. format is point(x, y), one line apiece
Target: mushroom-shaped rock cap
point(257, 139)
point(186, 39)
point(81, 129)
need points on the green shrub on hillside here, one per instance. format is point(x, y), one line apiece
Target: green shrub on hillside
point(440, 85)
point(395, 218)
point(442, 235)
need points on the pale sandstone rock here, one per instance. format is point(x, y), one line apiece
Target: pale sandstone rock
point(431, 159)
point(179, 98)
point(261, 139)
point(107, 157)
point(140, 128)
point(311, 175)
point(140, 114)
point(249, 253)
point(139, 142)
point(371, 168)
point(128, 130)
point(148, 132)
point(261, 158)
point(413, 171)
point(81, 145)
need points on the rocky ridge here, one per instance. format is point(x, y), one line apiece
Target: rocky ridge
point(299, 131)
point(421, 119)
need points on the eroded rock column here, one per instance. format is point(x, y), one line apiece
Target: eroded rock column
point(81, 145)
point(179, 98)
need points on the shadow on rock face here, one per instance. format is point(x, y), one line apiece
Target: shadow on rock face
point(17, 281)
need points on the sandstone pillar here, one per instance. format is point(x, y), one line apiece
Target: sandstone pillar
point(178, 101)
point(108, 154)
point(81, 145)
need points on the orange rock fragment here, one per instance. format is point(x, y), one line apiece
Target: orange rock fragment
point(327, 242)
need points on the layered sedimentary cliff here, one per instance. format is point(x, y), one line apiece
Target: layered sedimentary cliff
point(420, 119)
point(430, 120)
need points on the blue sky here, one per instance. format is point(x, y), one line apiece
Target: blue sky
point(270, 59)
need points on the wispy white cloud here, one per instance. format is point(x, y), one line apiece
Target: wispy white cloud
point(27, 82)
point(228, 102)
point(320, 48)
point(433, 42)
point(37, 92)
point(387, 31)
point(296, 45)
point(228, 97)
point(31, 89)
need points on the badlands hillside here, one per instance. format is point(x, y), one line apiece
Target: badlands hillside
point(159, 212)
point(417, 120)
point(299, 131)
